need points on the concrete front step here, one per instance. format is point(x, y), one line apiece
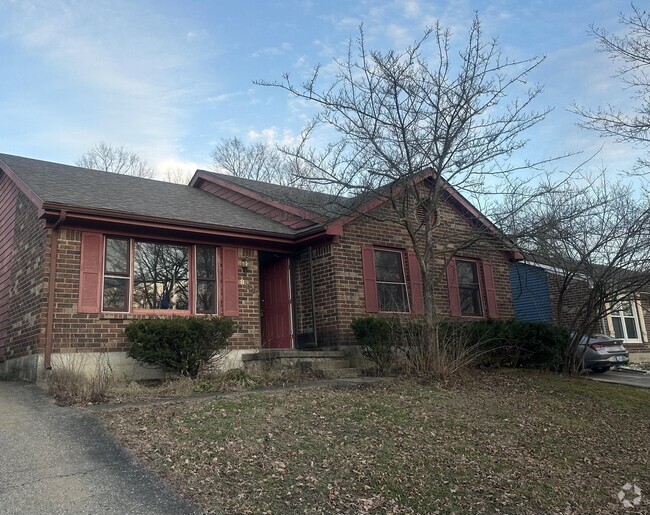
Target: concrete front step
point(330, 364)
point(264, 354)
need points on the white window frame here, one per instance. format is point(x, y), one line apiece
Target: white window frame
point(635, 315)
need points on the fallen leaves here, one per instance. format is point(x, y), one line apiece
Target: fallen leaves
point(502, 443)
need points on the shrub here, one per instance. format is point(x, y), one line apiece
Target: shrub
point(70, 381)
point(449, 346)
point(441, 351)
point(181, 345)
point(525, 344)
point(378, 340)
point(514, 343)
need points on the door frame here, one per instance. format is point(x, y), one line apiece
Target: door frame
point(289, 304)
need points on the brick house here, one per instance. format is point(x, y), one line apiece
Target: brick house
point(83, 252)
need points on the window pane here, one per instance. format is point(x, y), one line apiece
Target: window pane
point(618, 327)
point(389, 266)
point(160, 276)
point(205, 297)
point(392, 297)
point(630, 328)
point(470, 300)
point(467, 273)
point(625, 308)
point(205, 262)
point(117, 256)
point(116, 292)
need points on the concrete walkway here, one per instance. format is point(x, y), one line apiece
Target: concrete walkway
point(56, 460)
point(626, 377)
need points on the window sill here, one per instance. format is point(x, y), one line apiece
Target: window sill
point(109, 315)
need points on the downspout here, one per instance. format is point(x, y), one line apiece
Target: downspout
point(313, 297)
point(49, 324)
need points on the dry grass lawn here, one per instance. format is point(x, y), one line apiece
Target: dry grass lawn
point(506, 442)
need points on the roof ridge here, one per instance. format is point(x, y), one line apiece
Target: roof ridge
point(92, 170)
point(229, 177)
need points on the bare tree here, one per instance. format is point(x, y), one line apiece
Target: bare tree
point(594, 237)
point(178, 175)
point(260, 162)
point(631, 52)
point(257, 161)
point(109, 158)
point(410, 123)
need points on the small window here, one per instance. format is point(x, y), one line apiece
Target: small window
point(391, 287)
point(625, 321)
point(116, 275)
point(206, 280)
point(469, 289)
point(160, 276)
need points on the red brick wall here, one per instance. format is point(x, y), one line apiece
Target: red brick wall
point(8, 198)
point(325, 294)
point(248, 331)
point(25, 326)
point(105, 331)
point(573, 296)
point(341, 296)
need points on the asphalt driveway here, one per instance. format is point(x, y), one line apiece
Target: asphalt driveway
point(627, 377)
point(56, 460)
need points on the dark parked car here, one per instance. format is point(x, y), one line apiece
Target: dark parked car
point(600, 352)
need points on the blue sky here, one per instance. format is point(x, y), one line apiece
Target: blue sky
point(169, 79)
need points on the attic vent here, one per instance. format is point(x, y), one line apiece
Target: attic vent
point(420, 213)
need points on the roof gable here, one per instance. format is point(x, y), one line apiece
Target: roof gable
point(299, 208)
point(309, 205)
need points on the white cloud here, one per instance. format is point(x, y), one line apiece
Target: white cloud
point(128, 76)
point(411, 8)
point(400, 35)
point(272, 50)
point(224, 97)
point(198, 35)
point(177, 170)
point(271, 136)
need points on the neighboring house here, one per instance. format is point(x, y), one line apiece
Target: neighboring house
point(83, 252)
point(535, 288)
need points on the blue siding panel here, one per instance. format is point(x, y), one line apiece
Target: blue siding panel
point(530, 296)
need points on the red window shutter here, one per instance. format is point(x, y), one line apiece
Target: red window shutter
point(369, 279)
point(90, 272)
point(230, 282)
point(415, 277)
point(452, 286)
point(490, 291)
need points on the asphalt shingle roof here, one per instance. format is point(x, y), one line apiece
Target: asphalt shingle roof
point(323, 204)
point(72, 186)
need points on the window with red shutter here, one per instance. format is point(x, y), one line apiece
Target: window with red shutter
point(369, 279)
point(415, 279)
point(120, 274)
point(452, 288)
point(467, 281)
point(90, 273)
point(230, 282)
point(490, 290)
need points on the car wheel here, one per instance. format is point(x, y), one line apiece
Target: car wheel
point(599, 370)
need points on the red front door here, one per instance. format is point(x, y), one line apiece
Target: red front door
point(275, 303)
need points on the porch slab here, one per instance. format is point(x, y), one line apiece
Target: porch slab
point(270, 354)
point(328, 363)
